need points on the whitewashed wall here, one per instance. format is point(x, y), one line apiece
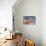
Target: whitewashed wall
point(31, 8)
point(43, 22)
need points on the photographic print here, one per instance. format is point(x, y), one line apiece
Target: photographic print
point(29, 20)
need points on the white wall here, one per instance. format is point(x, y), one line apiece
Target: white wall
point(43, 22)
point(6, 13)
point(29, 8)
point(22, 10)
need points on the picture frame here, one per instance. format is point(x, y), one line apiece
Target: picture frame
point(29, 20)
